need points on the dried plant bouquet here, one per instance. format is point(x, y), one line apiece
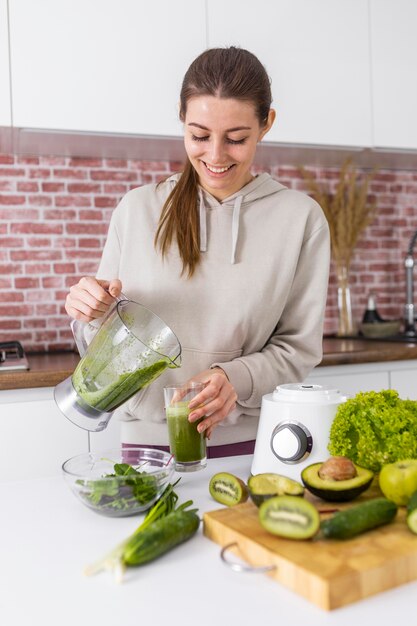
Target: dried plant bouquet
point(348, 211)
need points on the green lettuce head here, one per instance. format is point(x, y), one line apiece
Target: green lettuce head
point(375, 428)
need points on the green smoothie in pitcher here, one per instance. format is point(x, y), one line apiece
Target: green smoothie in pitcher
point(107, 395)
point(187, 445)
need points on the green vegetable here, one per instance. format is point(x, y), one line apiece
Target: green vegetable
point(375, 428)
point(164, 506)
point(128, 488)
point(160, 537)
point(359, 518)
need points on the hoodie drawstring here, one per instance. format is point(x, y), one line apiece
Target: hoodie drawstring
point(235, 226)
point(203, 223)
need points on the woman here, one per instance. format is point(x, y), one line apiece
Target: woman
point(236, 264)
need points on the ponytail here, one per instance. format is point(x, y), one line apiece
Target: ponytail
point(180, 220)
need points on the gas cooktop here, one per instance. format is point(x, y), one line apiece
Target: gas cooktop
point(12, 356)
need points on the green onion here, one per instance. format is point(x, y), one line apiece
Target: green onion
point(165, 504)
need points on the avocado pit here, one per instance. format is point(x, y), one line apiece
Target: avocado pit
point(337, 468)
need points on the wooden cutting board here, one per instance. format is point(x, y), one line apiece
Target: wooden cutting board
point(329, 573)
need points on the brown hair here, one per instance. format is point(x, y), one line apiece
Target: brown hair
point(224, 73)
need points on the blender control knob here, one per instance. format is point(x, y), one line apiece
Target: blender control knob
point(291, 442)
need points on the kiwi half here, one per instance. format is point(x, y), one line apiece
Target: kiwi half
point(289, 516)
point(228, 489)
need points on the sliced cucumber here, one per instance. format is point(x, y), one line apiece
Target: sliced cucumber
point(289, 516)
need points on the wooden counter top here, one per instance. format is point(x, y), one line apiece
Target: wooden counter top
point(47, 370)
point(337, 351)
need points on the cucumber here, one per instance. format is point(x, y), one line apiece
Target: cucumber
point(412, 513)
point(359, 519)
point(228, 489)
point(160, 537)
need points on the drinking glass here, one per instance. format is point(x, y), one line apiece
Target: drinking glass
point(187, 445)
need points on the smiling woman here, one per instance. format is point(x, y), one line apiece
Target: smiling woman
point(221, 136)
point(236, 264)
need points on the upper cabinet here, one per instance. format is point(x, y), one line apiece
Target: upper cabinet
point(394, 72)
point(102, 65)
point(5, 109)
point(343, 73)
point(317, 55)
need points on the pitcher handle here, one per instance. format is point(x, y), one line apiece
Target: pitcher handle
point(78, 329)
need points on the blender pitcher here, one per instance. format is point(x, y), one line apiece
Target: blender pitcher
point(131, 348)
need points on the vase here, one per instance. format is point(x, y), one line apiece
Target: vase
point(344, 303)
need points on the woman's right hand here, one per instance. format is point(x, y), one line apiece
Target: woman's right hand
point(90, 298)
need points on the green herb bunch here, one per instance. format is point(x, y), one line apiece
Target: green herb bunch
point(123, 489)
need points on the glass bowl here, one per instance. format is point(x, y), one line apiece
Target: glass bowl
point(119, 482)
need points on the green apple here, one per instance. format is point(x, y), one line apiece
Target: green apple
point(398, 481)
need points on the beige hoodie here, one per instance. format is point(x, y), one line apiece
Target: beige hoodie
point(255, 304)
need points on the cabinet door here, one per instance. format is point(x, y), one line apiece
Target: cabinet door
point(394, 72)
point(5, 113)
point(317, 55)
point(102, 65)
point(405, 382)
point(35, 438)
point(351, 384)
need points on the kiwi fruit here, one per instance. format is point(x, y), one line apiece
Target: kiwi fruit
point(291, 517)
point(228, 489)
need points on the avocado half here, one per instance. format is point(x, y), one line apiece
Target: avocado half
point(265, 486)
point(336, 490)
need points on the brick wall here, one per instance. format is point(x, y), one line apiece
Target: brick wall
point(54, 214)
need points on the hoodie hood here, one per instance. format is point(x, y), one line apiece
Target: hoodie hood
point(260, 187)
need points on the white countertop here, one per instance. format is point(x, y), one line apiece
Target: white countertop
point(47, 537)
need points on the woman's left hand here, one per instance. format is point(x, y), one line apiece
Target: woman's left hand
point(218, 399)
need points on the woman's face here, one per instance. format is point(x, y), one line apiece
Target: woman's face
point(220, 140)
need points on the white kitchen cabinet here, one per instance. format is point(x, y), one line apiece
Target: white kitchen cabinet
point(35, 438)
point(317, 55)
point(394, 72)
point(5, 109)
point(405, 382)
point(102, 65)
point(351, 379)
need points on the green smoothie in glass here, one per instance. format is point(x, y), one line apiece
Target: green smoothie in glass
point(187, 445)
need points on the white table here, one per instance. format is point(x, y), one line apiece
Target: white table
point(47, 537)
